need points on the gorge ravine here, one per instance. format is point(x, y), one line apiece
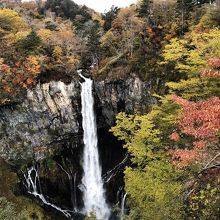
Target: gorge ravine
point(45, 127)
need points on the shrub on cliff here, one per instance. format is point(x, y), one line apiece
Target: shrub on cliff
point(7, 209)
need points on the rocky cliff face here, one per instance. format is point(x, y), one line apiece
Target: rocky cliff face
point(39, 125)
point(47, 124)
point(114, 96)
point(50, 115)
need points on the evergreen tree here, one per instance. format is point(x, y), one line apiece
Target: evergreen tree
point(109, 17)
point(31, 42)
point(69, 9)
point(94, 41)
point(91, 55)
point(63, 8)
point(144, 8)
point(184, 9)
point(84, 17)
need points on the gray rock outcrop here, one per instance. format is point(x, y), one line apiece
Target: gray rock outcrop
point(131, 96)
point(46, 118)
point(50, 115)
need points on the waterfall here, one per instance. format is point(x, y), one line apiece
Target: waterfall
point(111, 173)
point(123, 206)
point(72, 182)
point(93, 190)
point(32, 183)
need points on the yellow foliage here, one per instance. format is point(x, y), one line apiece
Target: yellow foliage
point(175, 50)
point(191, 53)
point(57, 52)
point(12, 38)
point(45, 35)
point(61, 37)
point(65, 36)
point(73, 60)
point(108, 39)
point(33, 65)
point(11, 21)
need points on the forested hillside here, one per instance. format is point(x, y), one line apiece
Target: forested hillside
point(175, 147)
point(174, 46)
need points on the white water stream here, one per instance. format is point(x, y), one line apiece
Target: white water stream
point(33, 187)
point(93, 190)
point(123, 206)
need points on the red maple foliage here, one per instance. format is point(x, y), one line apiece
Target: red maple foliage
point(213, 68)
point(174, 136)
point(201, 121)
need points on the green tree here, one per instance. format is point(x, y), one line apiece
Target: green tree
point(31, 43)
point(144, 8)
point(184, 10)
point(153, 185)
point(91, 54)
point(69, 9)
point(94, 41)
point(190, 56)
point(109, 17)
point(204, 203)
point(154, 191)
point(63, 8)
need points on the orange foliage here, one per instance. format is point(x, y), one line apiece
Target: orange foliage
point(213, 68)
point(174, 136)
point(201, 121)
point(183, 157)
point(22, 74)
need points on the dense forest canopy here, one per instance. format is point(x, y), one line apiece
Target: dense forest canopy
point(175, 46)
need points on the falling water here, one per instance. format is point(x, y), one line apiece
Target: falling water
point(72, 182)
point(93, 191)
point(32, 183)
point(113, 172)
point(123, 206)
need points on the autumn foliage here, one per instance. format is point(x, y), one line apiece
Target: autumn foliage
point(27, 52)
point(200, 121)
point(213, 69)
point(20, 75)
